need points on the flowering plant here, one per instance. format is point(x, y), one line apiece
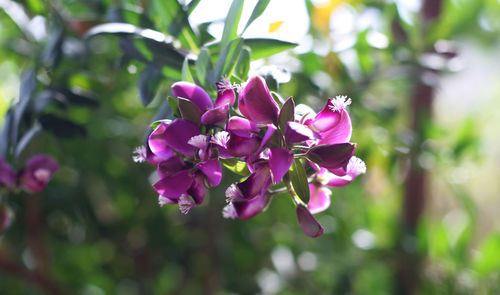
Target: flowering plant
point(275, 145)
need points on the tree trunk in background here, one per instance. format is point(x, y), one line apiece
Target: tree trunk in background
point(409, 269)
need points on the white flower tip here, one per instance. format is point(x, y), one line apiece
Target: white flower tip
point(229, 211)
point(220, 138)
point(232, 192)
point(225, 85)
point(163, 201)
point(339, 103)
point(140, 154)
point(356, 166)
point(199, 141)
point(185, 204)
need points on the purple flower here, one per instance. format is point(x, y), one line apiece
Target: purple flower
point(256, 103)
point(331, 156)
point(7, 174)
point(175, 136)
point(333, 122)
point(310, 226)
point(37, 173)
point(198, 96)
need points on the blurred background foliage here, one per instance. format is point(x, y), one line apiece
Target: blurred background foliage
point(423, 76)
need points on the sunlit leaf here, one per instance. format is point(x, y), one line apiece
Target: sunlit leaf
point(298, 177)
point(231, 23)
point(257, 11)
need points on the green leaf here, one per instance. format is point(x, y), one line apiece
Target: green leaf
point(171, 15)
point(174, 105)
point(148, 83)
point(61, 127)
point(238, 167)
point(298, 177)
point(227, 59)
point(202, 66)
point(262, 47)
point(257, 11)
point(158, 122)
point(243, 65)
point(186, 72)
point(259, 47)
point(189, 111)
point(231, 24)
point(287, 113)
point(191, 6)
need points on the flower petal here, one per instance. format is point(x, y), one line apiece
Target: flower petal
point(257, 183)
point(194, 93)
point(296, 132)
point(269, 133)
point(37, 173)
point(340, 178)
point(280, 161)
point(331, 156)
point(173, 186)
point(225, 97)
point(198, 188)
point(7, 174)
point(178, 134)
point(239, 146)
point(216, 115)
point(158, 145)
point(241, 126)
point(319, 198)
point(310, 226)
point(212, 170)
point(340, 132)
point(170, 166)
point(256, 103)
point(246, 209)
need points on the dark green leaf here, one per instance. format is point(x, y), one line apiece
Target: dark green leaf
point(257, 11)
point(191, 6)
point(148, 83)
point(61, 127)
point(298, 177)
point(28, 86)
point(243, 65)
point(231, 23)
point(79, 98)
point(227, 59)
point(172, 16)
point(189, 111)
point(202, 66)
point(186, 71)
point(27, 138)
point(287, 113)
point(5, 136)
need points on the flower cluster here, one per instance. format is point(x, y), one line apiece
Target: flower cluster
point(33, 178)
point(281, 147)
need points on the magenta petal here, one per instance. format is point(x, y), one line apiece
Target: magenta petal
point(256, 103)
point(173, 186)
point(212, 170)
point(241, 126)
point(325, 119)
point(319, 198)
point(194, 93)
point(310, 226)
point(37, 173)
point(225, 97)
point(239, 146)
point(269, 133)
point(170, 166)
point(341, 177)
point(280, 161)
point(246, 209)
point(257, 183)
point(158, 144)
point(339, 133)
point(178, 134)
point(7, 174)
point(216, 115)
point(331, 156)
point(296, 132)
point(197, 189)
